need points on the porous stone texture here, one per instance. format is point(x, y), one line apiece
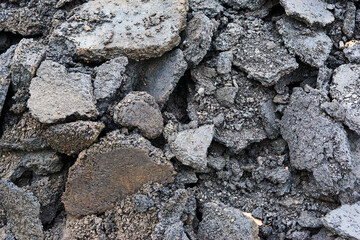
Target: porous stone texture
point(210, 8)
point(72, 138)
point(352, 52)
point(261, 55)
point(139, 109)
point(56, 94)
point(144, 29)
point(159, 76)
point(220, 222)
point(312, 12)
point(190, 146)
point(345, 221)
point(317, 143)
point(198, 35)
point(250, 4)
point(109, 170)
point(109, 77)
point(5, 60)
point(312, 46)
point(22, 211)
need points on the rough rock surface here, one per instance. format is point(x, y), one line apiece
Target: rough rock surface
point(139, 109)
point(22, 211)
point(109, 77)
point(57, 94)
point(198, 35)
point(251, 4)
point(190, 146)
point(72, 138)
point(317, 143)
point(261, 55)
point(109, 170)
point(159, 76)
point(144, 29)
point(352, 52)
point(5, 60)
point(313, 47)
point(313, 12)
point(345, 221)
point(221, 222)
point(210, 8)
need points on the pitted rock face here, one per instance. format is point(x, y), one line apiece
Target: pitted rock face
point(141, 29)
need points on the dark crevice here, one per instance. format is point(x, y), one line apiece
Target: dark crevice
point(275, 12)
point(25, 179)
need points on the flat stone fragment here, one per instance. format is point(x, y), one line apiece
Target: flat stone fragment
point(109, 77)
point(210, 8)
point(22, 211)
point(144, 29)
point(72, 138)
point(198, 36)
point(109, 170)
point(313, 47)
point(190, 146)
point(159, 76)
point(57, 94)
point(250, 4)
point(345, 221)
point(344, 89)
point(316, 142)
point(139, 109)
point(261, 55)
point(350, 20)
point(5, 64)
point(226, 223)
point(312, 12)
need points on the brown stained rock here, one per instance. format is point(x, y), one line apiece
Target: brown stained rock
point(108, 171)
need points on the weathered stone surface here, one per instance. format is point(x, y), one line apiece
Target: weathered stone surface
point(352, 52)
point(210, 8)
point(22, 211)
point(159, 76)
point(5, 64)
point(312, 46)
point(261, 55)
point(72, 138)
point(229, 37)
point(316, 142)
point(14, 164)
point(220, 222)
point(250, 4)
point(198, 35)
point(139, 109)
point(57, 94)
point(109, 77)
point(345, 221)
point(350, 20)
point(190, 146)
point(224, 62)
point(109, 170)
point(313, 12)
point(269, 118)
point(144, 29)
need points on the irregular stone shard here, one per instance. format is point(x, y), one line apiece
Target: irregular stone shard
point(109, 170)
point(352, 52)
point(198, 35)
point(159, 76)
point(109, 77)
point(5, 64)
point(210, 8)
point(190, 146)
point(72, 138)
point(229, 37)
point(261, 55)
point(312, 12)
point(250, 4)
point(22, 211)
point(350, 19)
point(139, 109)
point(345, 221)
point(220, 222)
point(57, 94)
point(313, 47)
point(316, 142)
point(144, 29)
point(224, 62)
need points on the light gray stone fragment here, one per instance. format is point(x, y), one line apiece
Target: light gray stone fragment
point(5, 64)
point(210, 8)
point(352, 52)
point(312, 12)
point(139, 109)
point(226, 95)
point(349, 20)
point(109, 77)
point(198, 35)
point(159, 76)
point(312, 46)
point(104, 29)
point(226, 223)
point(224, 62)
point(22, 211)
point(57, 94)
point(240, 4)
point(229, 37)
point(190, 146)
point(345, 221)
